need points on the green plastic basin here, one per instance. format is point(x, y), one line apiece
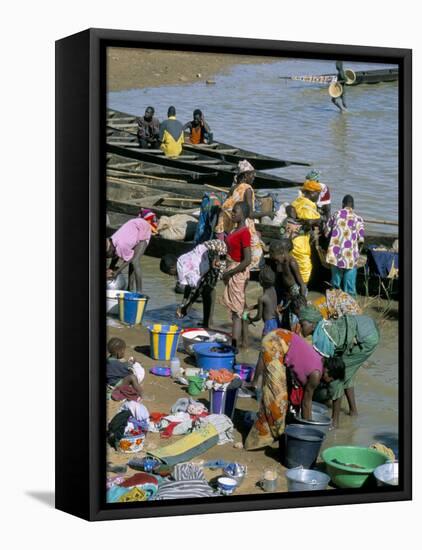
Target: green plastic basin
point(341, 465)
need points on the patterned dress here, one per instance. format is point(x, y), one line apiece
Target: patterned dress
point(346, 230)
point(225, 224)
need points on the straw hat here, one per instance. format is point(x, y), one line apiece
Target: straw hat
point(335, 89)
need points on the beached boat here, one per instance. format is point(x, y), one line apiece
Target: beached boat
point(217, 171)
point(353, 77)
point(229, 153)
point(119, 212)
point(122, 122)
point(371, 77)
point(168, 205)
point(128, 168)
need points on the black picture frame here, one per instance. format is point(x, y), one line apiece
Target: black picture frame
point(80, 281)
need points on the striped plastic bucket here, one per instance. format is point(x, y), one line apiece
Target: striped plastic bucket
point(132, 306)
point(163, 341)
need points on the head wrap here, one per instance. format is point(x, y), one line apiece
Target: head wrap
point(311, 185)
point(310, 314)
point(150, 217)
point(313, 175)
point(244, 166)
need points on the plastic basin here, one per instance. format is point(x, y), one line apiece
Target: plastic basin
point(349, 467)
point(191, 336)
point(302, 479)
point(207, 359)
point(387, 475)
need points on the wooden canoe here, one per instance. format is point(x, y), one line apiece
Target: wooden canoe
point(354, 78)
point(118, 122)
point(217, 171)
point(168, 207)
point(232, 154)
point(159, 246)
point(130, 168)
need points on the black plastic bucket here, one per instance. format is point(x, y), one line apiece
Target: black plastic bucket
point(301, 446)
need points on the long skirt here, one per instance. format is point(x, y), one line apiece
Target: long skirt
point(271, 420)
point(234, 297)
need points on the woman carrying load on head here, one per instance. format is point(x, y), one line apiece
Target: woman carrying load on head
point(352, 339)
point(242, 191)
point(282, 350)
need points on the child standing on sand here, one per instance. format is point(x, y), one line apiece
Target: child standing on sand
point(267, 311)
point(289, 282)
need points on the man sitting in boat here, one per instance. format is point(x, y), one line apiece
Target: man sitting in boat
point(171, 134)
point(200, 132)
point(148, 130)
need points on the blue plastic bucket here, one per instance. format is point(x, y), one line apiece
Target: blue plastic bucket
point(207, 359)
point(163, 341)
point(132, 306)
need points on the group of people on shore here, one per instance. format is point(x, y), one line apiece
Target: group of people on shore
point(169, 135)
point(340, 344)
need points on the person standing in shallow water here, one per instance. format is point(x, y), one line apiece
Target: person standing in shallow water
point(341, 79)
point(351, 339)
point(346, 232)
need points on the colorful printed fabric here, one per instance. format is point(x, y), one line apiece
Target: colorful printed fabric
point(346, 230)
point(208, 217)
point(225, 223)
point(270, 424)
point(187, 447)
point(324, 196)
point(337, 303)
point(134, 495)
point(193, 266)
point(244, 166)
point(234, 296)
point(150, 217)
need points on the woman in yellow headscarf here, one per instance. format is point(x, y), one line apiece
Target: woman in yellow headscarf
point(305, 209)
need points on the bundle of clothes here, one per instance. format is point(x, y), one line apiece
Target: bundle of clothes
point(186, 416)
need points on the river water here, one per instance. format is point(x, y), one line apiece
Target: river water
point(357, 153)
point(251, 107)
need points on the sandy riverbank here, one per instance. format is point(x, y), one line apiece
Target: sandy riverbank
point(142, 68)
point(162, 393)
